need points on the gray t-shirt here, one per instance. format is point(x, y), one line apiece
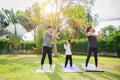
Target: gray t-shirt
point(47, 39)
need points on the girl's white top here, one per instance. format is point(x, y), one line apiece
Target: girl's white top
point(68, 50)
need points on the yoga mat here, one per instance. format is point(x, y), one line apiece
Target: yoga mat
point(46, 68)
point(69, 69)
point(91, 68)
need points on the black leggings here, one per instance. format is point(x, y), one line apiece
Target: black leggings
point(46, 50)
point(68, 57)
point(90, 50)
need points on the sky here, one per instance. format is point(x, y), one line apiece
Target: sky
point(16, 4)
point(104, 8)
point(107, 9)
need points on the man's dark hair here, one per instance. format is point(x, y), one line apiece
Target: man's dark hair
point(49, 27)
point(88, 29)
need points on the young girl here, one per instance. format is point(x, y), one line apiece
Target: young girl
point(68, 53)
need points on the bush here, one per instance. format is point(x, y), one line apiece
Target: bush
point(105, 44)
point(4, 45)
point(76, 45)
point(79, 45)
point(110, 43)
point(27, 45)
point(15, 41)
point(102, 45)
point(60, 45)
point(115, 42)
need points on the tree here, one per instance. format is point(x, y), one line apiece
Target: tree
point(88, 4)
point(35, 17)
point(108, 29)
point(39, 39)
point(115, 41)
point(12, 17)
point(56, 19)
point(68, 33)
point(76, 18)
point(3, 20)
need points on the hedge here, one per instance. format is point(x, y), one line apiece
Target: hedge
point(27, 45)
point(24, 45)
point(76, 45)
point(105, 44)
point(4, 45)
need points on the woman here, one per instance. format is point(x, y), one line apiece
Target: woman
point(92, 45)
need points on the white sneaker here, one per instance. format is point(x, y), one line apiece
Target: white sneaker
point(96, 68)
point(85, 68)
point(71, 67)
point(51, 67)
point(40, 68)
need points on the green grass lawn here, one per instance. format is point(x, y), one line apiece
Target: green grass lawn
point(23, 67)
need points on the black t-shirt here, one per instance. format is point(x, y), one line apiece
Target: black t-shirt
point(92, 41)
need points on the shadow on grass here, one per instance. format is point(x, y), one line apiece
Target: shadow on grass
point(109, 74)
point(54, 76)
point(19, 60)
point(85, 75)
point(17, 64)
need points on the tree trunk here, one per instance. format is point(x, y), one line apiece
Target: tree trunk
point(55, 44)
point(55, 47)
point(118, 54)
point(15, 29)
point(56, 28)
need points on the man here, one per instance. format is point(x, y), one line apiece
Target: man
point(47, 46)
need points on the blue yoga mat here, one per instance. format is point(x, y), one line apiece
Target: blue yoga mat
point(69, 69)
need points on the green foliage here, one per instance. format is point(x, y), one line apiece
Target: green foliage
point(12, 17)
point(79, 45)
point(33, 16)
point(76, 15)
point(39, 38)
point(3, 20)
point(110, 43)
point(76, 18)
point(27, 45)
point(108, 29)
point(4, 44)
point(114, 39)
point(60, 45)
point(76, 45)
point(105, 44)
point(71, 33)
point(15, 41)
